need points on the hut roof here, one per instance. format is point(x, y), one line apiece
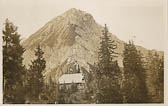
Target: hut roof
point(71, 78)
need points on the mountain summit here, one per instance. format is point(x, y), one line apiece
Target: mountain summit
point(71, 38)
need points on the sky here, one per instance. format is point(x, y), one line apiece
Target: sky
point(140, 20)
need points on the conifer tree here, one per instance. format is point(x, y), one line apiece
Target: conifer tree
point(13, 69)
point(108, 72)
point(135, 89)
point(155, 67)
point(161, 80)
point(36, 70)
point(52, 91)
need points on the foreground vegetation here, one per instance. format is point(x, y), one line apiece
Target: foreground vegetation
point(140, 80)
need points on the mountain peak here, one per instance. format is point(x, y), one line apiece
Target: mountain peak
point(73, 10)
point(74, 13)
point(72, 36)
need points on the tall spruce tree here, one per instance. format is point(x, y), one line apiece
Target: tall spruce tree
point(36, 82)
point(108, 73)
point(155, 67)
point(135, 89)
point(161, 80)
point(13, 69)
point(52, 91)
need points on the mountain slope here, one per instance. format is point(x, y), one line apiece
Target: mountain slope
point(71, 38)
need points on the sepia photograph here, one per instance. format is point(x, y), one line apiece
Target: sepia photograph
point(82, 51)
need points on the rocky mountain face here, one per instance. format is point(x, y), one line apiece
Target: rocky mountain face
point(71, 38)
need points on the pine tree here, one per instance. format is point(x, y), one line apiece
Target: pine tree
point(52, 91)
point(13, 69)
point(135, 89)
point(36, 82)
point(155, 67)
point(161, 80)
point(108, 72)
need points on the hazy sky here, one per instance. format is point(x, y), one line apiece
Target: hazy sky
point(125, 18)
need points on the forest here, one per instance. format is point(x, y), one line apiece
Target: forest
point(140, 80)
